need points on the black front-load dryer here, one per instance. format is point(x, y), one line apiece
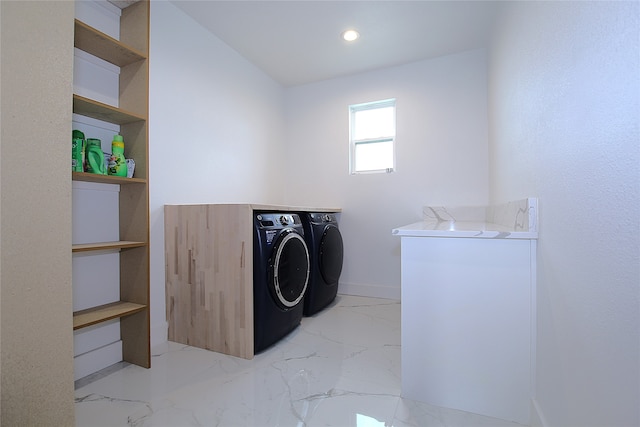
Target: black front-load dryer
point(280, 276)
point(326, 253)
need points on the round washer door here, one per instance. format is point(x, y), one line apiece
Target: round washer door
point(289, 269)
point(331, 254)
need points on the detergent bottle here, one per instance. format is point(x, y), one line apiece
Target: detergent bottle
point(95, 157)
point(117, 162)
point(77, 151)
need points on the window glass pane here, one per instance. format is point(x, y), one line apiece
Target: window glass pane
point(373, 123)
point(374, 156)
point(372, 133)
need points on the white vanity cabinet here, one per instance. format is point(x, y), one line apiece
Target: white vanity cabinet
point(468, 313)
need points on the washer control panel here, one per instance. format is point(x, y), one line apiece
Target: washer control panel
point(277, 220)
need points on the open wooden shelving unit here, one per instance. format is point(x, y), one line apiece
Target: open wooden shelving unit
point(130, 53)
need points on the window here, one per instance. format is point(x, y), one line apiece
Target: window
point(372, 134)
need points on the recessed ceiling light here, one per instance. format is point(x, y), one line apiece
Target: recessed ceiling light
point(350, 35)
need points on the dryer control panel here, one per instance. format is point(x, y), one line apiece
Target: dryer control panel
point(323, 218)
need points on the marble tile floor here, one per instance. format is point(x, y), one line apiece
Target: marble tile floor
point(340, 368)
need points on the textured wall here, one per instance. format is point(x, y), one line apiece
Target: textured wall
point(35, 204)
point(564, 119)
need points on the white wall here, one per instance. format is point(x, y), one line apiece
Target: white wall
point(219, 133)
point(216, 131)
point(564, 119)
point(442, 157)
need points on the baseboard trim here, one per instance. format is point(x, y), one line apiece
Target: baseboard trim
point(372, 291)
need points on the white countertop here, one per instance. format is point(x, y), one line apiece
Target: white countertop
point(468, 229)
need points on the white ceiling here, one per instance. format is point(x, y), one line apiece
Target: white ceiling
point(298, 42)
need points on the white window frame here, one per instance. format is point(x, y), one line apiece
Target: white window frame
point(383, 138)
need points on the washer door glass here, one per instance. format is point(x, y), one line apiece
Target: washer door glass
point(289, 269)
point(331, 255)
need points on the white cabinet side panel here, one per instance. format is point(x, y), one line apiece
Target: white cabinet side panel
point(466, 324)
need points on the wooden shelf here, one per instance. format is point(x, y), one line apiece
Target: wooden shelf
point(95, 315)
point(105, 179)
point(131, 55)
point(122, 244)
point(105, 112)
point(104, 47)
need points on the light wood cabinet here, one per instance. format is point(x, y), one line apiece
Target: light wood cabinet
point(130, 54)
point(209, 274)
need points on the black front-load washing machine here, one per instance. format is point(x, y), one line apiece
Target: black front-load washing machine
point(280, 276)
point(326, 253)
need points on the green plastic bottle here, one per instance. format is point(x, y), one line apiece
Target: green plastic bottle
point(77, 151)
point(117, 162)
point(95, 157)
